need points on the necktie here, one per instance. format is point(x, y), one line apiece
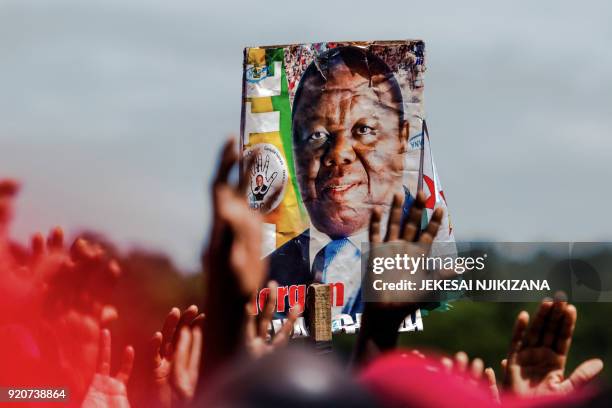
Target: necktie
point(340, 261)
point(324, 258)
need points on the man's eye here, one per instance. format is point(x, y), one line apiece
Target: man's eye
point(364, 130)
point(317, 136)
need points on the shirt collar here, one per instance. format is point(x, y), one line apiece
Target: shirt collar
point(318, 240)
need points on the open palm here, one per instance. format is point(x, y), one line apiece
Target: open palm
point(538, 353)
point(176, 357)
point(106, 391)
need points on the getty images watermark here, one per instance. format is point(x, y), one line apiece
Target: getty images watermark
point(497, 272)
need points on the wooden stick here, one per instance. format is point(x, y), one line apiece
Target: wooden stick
point(318, 305)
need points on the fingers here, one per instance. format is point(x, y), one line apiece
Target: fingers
point(105, 352)
point(127, 363)
point(566, 330)
point(375, 225)
point(477, 368)
point(223, 194)
point(113, 269)
point(586, 372)
point(196, 349)
point(198, 320)
point(516, 342)
point(427, 237)
point(108, 314)
point(55, 240)
point(8, 188)
point(187, 318)
point(533, 334)
point(460, 364)
point(186, 360)
point(246, 167)
point(268, 310)
point(251, 324)
point(551, 328)
point(447, 363)
point(461, 361)
point(284, 334)
point(85, 251)
point(235, 210)
point(518, 332)
point(228, 159)
point(155, 347)
point(395, 219)
point(266, 165)
point(38, 246)
point(183, 347)
point(175, 319)
point(168, 330)
point(489, 375)
point(413, 225)
point(272, 178)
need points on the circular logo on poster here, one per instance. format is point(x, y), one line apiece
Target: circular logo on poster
point(267, 178)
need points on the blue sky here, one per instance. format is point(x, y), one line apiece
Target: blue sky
point(112, 112)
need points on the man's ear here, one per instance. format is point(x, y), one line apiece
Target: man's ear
point(404, 135)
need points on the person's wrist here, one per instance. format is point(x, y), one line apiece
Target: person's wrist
point(381, 326)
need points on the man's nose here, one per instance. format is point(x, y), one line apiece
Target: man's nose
point(340, 151)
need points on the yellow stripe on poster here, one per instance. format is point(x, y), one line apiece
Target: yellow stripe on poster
point(289, 220)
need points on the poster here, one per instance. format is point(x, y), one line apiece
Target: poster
point(334, 129)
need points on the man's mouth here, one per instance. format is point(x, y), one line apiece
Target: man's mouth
point(338, 190)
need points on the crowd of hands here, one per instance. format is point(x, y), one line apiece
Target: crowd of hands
point(56, 313)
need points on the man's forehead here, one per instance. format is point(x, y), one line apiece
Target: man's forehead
point(359, 89)
point(339, 93)
point(362, 97)
point(339, 76)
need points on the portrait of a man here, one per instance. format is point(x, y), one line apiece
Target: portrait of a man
point(349, 141)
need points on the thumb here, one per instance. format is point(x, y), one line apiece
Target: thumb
point(585, 372)
point(504, 364)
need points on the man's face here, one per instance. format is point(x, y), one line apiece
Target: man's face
point(349, 144)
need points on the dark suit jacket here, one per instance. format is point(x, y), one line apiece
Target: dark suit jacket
point(290, 263)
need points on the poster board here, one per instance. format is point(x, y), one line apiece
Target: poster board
point(333, 130)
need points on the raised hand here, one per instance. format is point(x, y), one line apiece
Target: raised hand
point(75, 286)
point(410, 241)
point(234, 251)
point(232, 263)
point(106, 391)
point(474, 371)
point(258, 341)
point(538, 353)
point(79, 278)
point(8, 191)
point(14, 290)
point(175, 357)
point(381, 318)
point(186, 367)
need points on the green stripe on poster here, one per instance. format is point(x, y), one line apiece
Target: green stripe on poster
point(281, 104)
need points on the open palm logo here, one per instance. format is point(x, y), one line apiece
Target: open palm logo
point(267, 177)
point(260, 180)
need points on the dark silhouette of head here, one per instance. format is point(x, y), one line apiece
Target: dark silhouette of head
point(291, 377)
